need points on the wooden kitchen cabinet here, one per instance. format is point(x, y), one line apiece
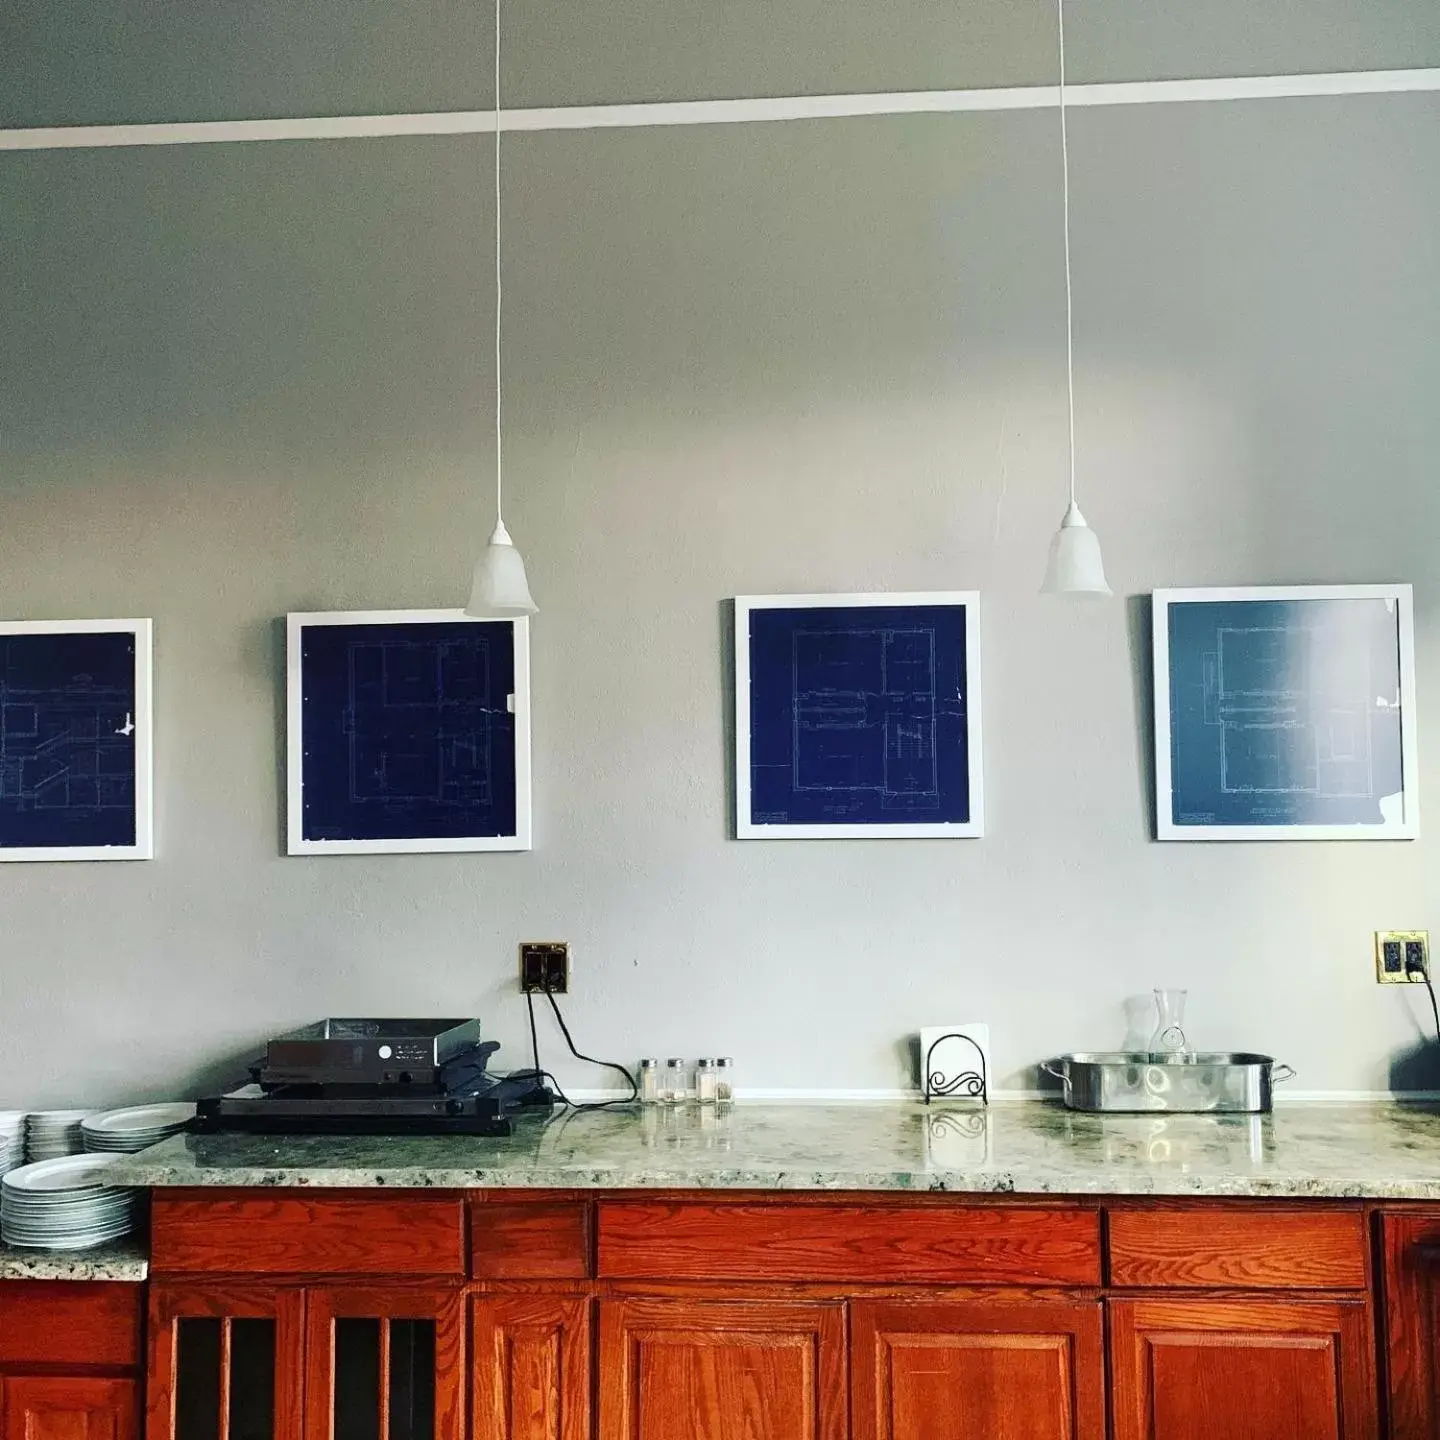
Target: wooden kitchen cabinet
point(530, 1367)
point(70, 1407)
point(702, 1369)
point(384, 1363)
point(977, 1370)
point(1411, 1249)
point(226, 1362)
point(1245, 1369)
point(235, 1361)
point(673, 1316)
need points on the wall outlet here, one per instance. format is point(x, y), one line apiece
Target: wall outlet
point(1402, 957)
point(545, 967)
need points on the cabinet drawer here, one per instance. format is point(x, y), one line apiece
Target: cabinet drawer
point(1259, 1249)
point(295, 1235)
point(78, 1322)
point(543, 1240)
point(995, 1245)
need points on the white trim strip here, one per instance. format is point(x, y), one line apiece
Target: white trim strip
point(727, 112)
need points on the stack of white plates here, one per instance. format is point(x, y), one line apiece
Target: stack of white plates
point(12, 1139)
point(65, 1204)
point(52, 1133)
point(135, 1128)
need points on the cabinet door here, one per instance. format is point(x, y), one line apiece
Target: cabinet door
point(977, 1370)
point(1412, 1324)
point(531, 1367)
point(226, 1363)
point(384, 1364)
point(62, 1407)
point(1243, 1369)
point(722, 1370)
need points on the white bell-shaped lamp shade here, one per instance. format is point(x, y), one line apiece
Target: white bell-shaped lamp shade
point(1075, 564)
point(500, 589)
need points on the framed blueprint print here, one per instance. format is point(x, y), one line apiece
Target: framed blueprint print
point(408, 730)
point(75, 757)
point(857, 716)
point(1285, 714)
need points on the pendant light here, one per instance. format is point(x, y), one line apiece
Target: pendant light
point(1075, 565)
point(499, 589)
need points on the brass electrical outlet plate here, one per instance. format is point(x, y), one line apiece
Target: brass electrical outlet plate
point(1396, 952)
point(545, 967)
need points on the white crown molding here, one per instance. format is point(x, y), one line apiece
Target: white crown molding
point(727, 112)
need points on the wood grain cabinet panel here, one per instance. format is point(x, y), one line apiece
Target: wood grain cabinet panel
point(384, 1363)
point(531, 1367)
point(64, 1407)
point(721, 1370)
point(226, 1362)
point(307, 1235)
point(1262, 1369)
point(77, 1322)
point(530, 1240)
point(961, 1245)
point(1412, 1324)
point(977, 1370)
point(1262, 1247)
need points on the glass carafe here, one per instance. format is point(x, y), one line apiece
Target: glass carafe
point(1168, 1042)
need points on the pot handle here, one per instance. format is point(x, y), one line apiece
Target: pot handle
point(1048, 1066)
point(1276, 1075)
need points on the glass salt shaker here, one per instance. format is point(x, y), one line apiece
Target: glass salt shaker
point(707, 1078)
point(676, 1086)
point(649, 1082)
point(725, 1081)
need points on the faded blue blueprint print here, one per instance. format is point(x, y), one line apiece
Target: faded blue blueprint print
point(858, 716)
point(1284, 712)
point(408, 731)
point(67, 740)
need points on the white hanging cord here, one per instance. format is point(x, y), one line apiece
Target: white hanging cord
point(499, 455)
point(1069, 302)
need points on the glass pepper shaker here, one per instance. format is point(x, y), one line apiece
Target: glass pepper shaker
point(725, 1081)
point(649, 1082)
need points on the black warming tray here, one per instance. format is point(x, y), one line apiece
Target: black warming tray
point(366, 1052)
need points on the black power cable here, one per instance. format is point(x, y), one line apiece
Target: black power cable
point(543, 1076)
point(1434, 1006)
point(1422, 968)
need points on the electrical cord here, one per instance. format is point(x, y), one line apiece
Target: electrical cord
point(544, 1076)
point(1434, 1005)
point(1415, 967)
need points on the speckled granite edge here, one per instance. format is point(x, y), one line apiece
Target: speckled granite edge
point(1350, 1152)
point(994, 1183)
point(123, 1261)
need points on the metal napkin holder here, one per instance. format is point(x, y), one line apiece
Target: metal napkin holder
point(971, 1084)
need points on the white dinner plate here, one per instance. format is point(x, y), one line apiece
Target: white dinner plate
point(172, 1114)
point(71, 1242)
point(69, 1172)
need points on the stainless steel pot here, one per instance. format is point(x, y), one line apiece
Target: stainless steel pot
point(1208, 1080)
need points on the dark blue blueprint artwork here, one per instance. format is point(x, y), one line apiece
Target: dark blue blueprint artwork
point(408, 731)
point(1284, 712)
point(859, 716)
point(67, 740)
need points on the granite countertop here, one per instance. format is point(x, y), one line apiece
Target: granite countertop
point(124, 1260)
point(1386, 1151)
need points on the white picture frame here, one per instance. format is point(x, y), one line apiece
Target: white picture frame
point(515, 837)
point(756, 823)
point(1270, 774)
point(20, 719)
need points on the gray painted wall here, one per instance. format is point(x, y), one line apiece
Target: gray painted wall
point(241, 380)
